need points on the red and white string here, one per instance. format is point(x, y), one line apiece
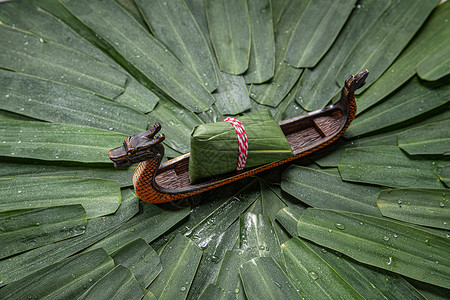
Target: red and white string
point(242, 141)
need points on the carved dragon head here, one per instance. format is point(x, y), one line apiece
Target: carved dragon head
point(138, 147)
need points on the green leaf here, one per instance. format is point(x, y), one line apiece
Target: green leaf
point(379, 242)
point(256, 207)
point(434, 33)
point(412, 100)
point(314, 278)
point(215, 292)
point(445, 175)
point(219, 220)
point(318, 85)
point(433, 138)
point(212, 115)
point(8, 116)
point(437, 64)
point(25, 229)
point(261, 66)
point(288, 107)
point(383, 41)
point(51, 141)
point(119, 283)
point(67, 279)
point(229, 29)
point(98, 197)
point(149, 296)
point(177, 133)
point(210, 263)
point(25, 168)
point(273, 92)
point(150, 216)
point(21, 265)
point(430, 292)
point(316, 31)
point(422, 207)
point(27, 17)
point(330, 156)
point(141, 259)
point(138, 96)
point(131, 7)
point(278, 7)
point(215, 230)
point(258, 237)
point(222, 203)
point(134, 43)
point(271, 204)
point(180, 259)
point(32, 55)
point(323, 190)
point(55, 8)
point(228, 276)
point(372, 283)
point(263, 279)
point(231, 95)
point(174, 25)
point(288, 218)
point(60, 103)
point(388, 166)
point(197, 8)
point(271, 200)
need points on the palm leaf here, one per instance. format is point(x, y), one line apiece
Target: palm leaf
point(313, 275)
point(141, 259)
point(174, 25)
point(323, 20)
point(422, 207)
point(272, 93)
point(229, 29)
point(427, 139)
point(27, 263)
point(388, 166)
point(432, 35)
point(262, 277)
point(228, 276)
point(60, 280)
point(31, 19)
point(231, 95)
point(180, 259)
point(318, 86)
point(106, 287)
point(381, 243)
point(22, 229)
point(98, 196)
point(162, 68)
point(35, 168)
point(322, 190)
point(261, 65)
point(393, 30)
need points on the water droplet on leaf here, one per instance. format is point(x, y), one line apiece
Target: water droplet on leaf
point(339, 226)
point(313, 275)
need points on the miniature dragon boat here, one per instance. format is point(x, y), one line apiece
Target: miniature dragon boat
point(157, 182)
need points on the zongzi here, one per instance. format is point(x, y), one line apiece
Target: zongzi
point(237, 143)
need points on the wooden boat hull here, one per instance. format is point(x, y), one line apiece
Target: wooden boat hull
point(157, 183)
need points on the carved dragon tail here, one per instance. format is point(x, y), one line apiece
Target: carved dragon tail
point(352, 83)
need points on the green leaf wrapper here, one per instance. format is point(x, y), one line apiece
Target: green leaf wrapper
point(214, 146)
